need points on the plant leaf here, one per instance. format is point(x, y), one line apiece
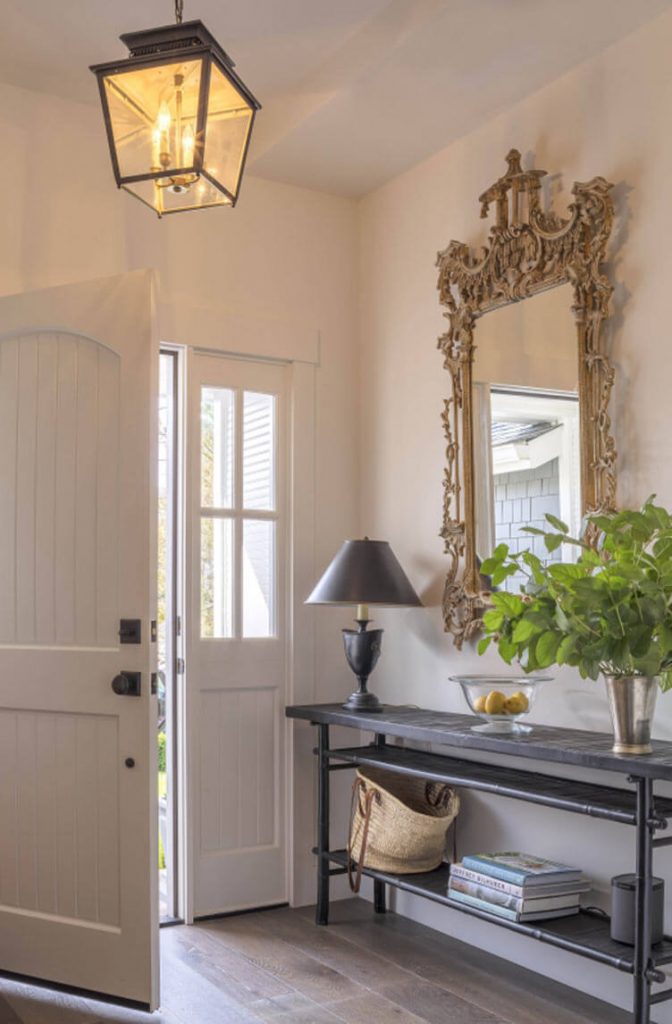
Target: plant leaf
point(483, 644)
point(546, 648)
point(557, 523)
point(507, 650)
point(493, 620)
point(566, 648)
point(524, 630)
point(510, 604)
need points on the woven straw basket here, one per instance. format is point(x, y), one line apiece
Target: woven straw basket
point(398, 823)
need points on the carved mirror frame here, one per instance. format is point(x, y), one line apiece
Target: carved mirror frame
point(528, 251)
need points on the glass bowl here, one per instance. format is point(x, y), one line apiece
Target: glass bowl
point(500, 702)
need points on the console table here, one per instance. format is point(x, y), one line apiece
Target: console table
point(586, 934)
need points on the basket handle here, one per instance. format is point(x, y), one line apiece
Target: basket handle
point(355, 880)
point(442, 798)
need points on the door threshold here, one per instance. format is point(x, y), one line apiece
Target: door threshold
point(170, 922)
point(239, 913)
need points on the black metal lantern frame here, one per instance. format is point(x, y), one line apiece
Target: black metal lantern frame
point(189, 183)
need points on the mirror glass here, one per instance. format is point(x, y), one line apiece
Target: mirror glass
point(527, 459)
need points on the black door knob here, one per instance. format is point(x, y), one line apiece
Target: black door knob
point(130, 762)
point(127, 684)
point(120, 685)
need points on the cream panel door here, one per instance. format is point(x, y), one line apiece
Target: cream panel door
point(78, 872)
point(236, 645)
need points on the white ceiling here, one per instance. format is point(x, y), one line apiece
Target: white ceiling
point(354, 91)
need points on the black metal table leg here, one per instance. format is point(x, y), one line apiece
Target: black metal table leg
point(641, 1013)
point(322, 910)
point(379, 900)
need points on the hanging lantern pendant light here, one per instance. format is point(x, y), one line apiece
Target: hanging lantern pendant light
point(178, 118)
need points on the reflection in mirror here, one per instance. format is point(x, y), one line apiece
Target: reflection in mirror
point(526, 425)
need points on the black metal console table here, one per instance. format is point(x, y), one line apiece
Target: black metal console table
point(587, 934)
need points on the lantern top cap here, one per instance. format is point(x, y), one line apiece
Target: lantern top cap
point(173, 37)
point(153, 43)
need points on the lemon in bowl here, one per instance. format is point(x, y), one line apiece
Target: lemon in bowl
point(500, 702)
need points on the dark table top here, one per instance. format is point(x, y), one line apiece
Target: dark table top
point(544, 743)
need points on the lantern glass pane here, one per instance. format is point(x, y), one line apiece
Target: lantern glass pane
point(153, 116)
point(164, 199)
point(228, 127)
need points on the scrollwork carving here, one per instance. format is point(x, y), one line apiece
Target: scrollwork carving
point(528, 251)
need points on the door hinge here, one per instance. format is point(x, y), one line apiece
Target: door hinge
point(178, 625)
point(153, 632)
point(179, 666)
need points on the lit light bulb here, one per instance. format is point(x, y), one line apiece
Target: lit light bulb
point(188, 141)
point(163, 120)
point(162, 129)
point(156, 148)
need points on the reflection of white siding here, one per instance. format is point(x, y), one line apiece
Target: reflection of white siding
point(524, 499)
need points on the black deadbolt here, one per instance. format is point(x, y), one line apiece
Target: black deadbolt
point(130, 631)
point(130, 762)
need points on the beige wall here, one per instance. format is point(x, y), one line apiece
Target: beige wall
point(608, 117)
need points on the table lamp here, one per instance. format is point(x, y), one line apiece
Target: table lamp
point(364, 572)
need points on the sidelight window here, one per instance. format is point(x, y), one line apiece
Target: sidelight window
point(239, 514)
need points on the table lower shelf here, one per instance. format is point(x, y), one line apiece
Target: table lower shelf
point(586, 934)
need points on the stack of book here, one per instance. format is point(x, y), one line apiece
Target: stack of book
point(517, 886)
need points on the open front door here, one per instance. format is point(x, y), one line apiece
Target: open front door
point(78, 861)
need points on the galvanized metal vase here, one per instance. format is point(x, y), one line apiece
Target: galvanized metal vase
point(632, 701)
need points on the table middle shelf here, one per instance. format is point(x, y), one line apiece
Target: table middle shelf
point(607, 802)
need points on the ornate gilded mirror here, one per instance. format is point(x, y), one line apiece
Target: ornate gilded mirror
point(527, 425)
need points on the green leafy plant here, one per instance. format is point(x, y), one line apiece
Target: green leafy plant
point(610, 611)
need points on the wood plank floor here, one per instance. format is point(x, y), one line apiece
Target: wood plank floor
point(276, 966)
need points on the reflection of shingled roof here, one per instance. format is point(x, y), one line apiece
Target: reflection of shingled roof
point(509, 432)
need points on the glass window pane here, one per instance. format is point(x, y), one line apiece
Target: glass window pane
point(258, 578)
point(201, 193)
point(216, 578)
point(258, 451)
point(217, 447)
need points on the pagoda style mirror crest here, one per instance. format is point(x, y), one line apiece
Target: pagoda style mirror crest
point(527, 425)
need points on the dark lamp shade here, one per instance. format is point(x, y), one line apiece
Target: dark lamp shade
point(365, 572)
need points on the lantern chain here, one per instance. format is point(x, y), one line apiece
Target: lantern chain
point(179, 10)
